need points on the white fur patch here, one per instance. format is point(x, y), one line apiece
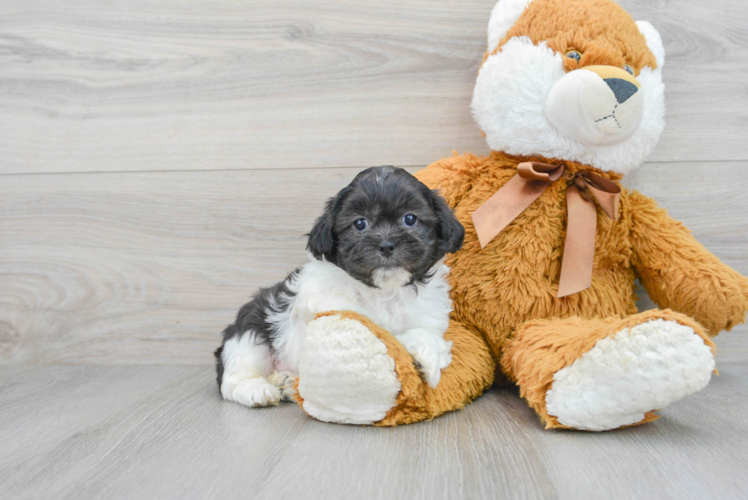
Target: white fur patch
point(654, 41)
point(254, 391)
point(322, 286)
point(430, 352)
point(509, 100)
point(245, 363)
point(389, 277)
point(635, 371)
point(345, 373)
point(503, 16)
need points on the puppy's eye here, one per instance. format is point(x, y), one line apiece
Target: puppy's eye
point(574, 54)
point(629, 69)
point(409, 220)
point(360, 224)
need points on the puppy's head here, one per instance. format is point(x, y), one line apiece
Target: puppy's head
point(386, 228)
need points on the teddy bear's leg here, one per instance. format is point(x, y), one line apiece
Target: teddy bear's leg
point(351, 371)
point(603, 374)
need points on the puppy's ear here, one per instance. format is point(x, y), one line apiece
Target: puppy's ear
point(321, 242)
point(450, 232)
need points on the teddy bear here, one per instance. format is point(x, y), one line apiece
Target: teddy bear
point(570, 98)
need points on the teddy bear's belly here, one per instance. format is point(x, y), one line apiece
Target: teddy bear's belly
point(514, 279)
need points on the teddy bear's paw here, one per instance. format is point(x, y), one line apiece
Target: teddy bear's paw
point(626, 375)
point(430, 352)
point(345, 373)
point(252, 391)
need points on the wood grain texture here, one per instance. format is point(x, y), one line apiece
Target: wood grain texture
point(149, 267)
point(118, 267)
point(163, 432)
point(196, 84)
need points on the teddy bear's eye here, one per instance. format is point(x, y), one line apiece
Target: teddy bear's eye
point(629, 69)
point(574, 54)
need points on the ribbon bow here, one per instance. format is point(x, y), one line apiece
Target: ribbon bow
point(583, 188)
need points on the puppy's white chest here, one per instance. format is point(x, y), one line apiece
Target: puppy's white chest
point(324, 287)
point(393, 312)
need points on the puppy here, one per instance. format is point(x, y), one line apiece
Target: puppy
point(375, 250)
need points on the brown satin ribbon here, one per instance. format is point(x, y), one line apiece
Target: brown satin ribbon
point(579, 247)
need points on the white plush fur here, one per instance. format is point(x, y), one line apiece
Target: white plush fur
point(635, 371)
point(416, 313)
point(509, 106)
point(503, 16)
point(346, 374)
point(585, 108)
point(654, 41)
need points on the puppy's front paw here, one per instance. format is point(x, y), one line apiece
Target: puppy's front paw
point(254, 391)
point(430, 352)
point(284, 382)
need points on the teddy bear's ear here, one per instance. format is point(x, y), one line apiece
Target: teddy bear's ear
point(654, 42)
point(503, 17)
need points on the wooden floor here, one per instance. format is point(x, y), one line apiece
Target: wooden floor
point(163, 432)
point(159, 161)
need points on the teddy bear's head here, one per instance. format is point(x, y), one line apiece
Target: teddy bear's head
point(577, 80)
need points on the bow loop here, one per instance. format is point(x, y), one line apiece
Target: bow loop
point(607, 193)
point(536, 171)
point(583, 188)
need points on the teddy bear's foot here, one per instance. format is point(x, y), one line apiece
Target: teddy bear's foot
point(352, 371)
point(345, 373)
point(627, 375)
point(608, 373)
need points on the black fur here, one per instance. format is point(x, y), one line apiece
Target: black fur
point(253, 316)
point(321, 240)
point(383, 196)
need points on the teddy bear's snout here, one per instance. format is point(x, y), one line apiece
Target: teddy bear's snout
point(621, 82)
point(621, 89)
point(596, 105)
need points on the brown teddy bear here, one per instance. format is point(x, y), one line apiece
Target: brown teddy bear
point(570, 98)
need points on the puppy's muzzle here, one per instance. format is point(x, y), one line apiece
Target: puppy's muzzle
point(596, 105)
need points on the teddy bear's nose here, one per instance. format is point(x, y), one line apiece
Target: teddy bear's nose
point(621, 88)
point(621, 82)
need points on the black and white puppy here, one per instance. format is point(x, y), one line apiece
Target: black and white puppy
point(376, 250)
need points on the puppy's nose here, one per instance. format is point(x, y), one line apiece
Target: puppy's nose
point(387, 248)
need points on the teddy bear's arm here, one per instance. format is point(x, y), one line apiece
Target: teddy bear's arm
point(679, 273)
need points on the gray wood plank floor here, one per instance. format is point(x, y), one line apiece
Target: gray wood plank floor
point(163, 432)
